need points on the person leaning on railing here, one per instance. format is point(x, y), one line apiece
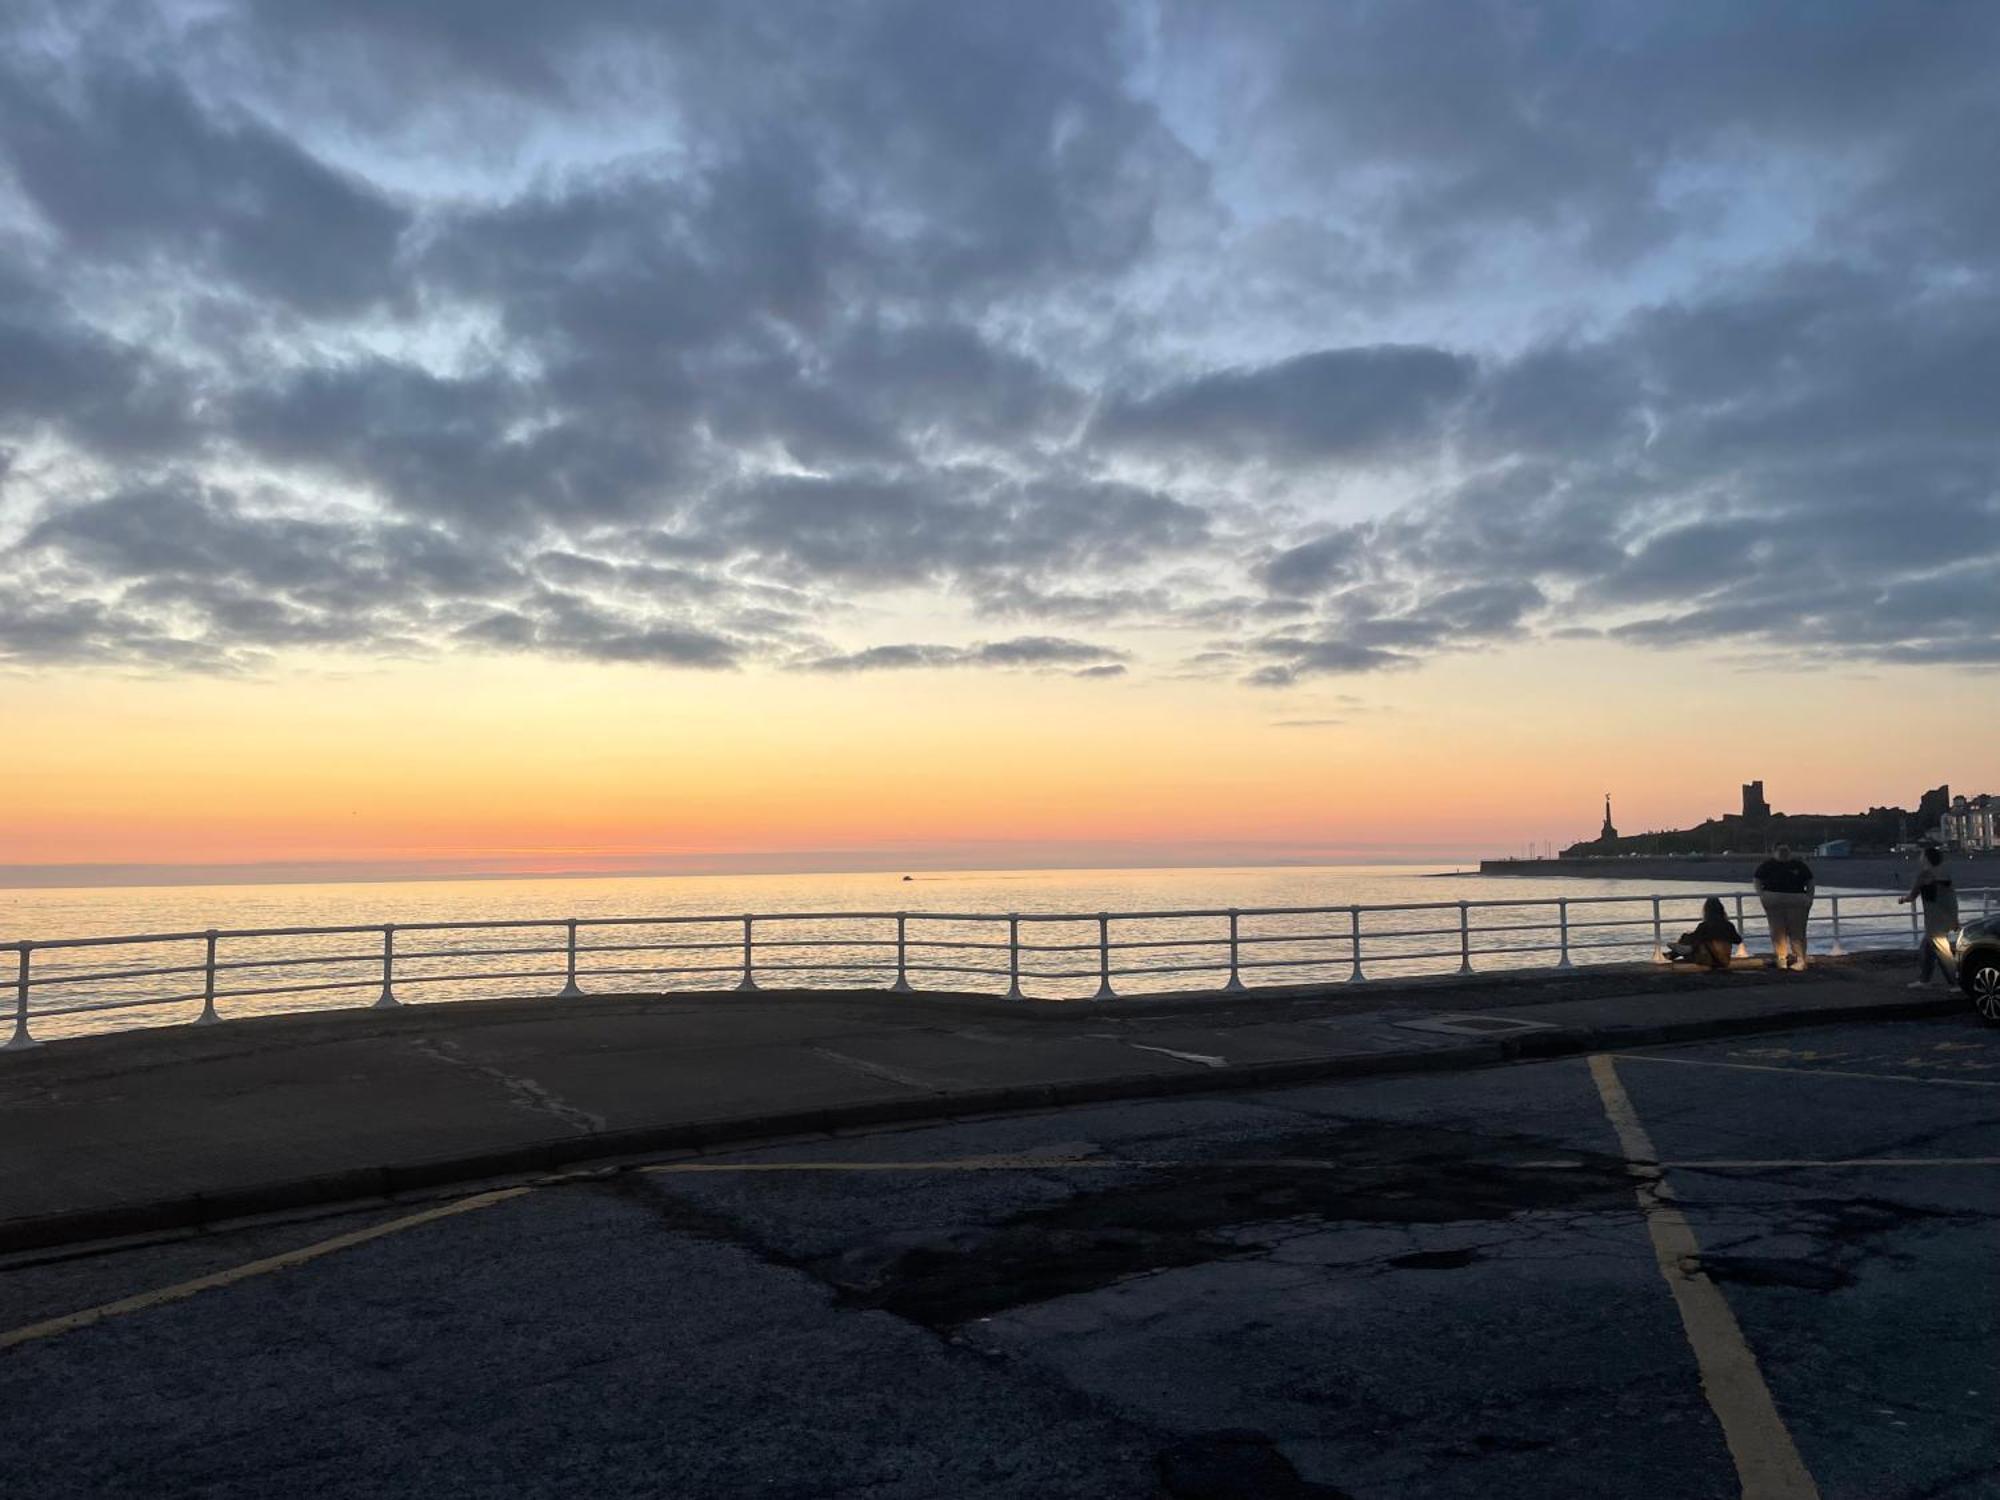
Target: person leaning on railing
point(1709, 945)
point(1933, 887)
point(1785, 884)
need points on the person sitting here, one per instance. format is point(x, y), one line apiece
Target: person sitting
point(1709, 945)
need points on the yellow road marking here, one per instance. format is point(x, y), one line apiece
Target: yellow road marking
point(1702, 1062)
point(144, 1300)
point(1767, 1461)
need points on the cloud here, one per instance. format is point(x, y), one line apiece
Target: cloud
point(1035, 651)
point(1355, 403)
point(1306, 656)
point(1314, 565)
point(684, 336)
point(127, 166)
point(60, 376)
point(1465, 130)
point(179, 575)
point(957, 524)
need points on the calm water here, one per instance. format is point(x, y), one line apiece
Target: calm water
point(1182, 953)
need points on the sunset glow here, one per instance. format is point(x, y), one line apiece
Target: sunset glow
point(435, 767)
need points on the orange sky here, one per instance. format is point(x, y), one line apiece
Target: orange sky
point(480, 761)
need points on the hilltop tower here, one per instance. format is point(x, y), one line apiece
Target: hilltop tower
point(1608, 833)
point(1755, 808)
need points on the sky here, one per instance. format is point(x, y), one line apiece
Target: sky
point(483, 435)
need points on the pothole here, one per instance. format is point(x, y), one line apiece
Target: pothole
point(1179, 1214)
point(1235, 1465)
point(1434, 1260)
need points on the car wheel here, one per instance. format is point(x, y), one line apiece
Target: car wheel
point(1982, 984)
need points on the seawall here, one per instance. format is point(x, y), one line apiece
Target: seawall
point(1866, 872)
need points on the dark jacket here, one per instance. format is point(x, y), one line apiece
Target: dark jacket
point(1783, 877)
point(1711, 943)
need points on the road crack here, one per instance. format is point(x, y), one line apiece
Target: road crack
point(523, 1092)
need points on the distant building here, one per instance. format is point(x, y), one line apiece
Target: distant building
point(1969, 823)
point(1755, 807)
point(1835, 849)
point(1609, 833)
point(1932, 809)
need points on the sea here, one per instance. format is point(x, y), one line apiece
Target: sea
point(811, 932)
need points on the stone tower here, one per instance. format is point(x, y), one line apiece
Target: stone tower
point(1755, 808)
point(1609, 833)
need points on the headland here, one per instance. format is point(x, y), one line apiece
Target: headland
point(1873, 850)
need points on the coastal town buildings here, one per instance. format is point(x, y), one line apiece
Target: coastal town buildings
point(1970, 823)
point(1964, 823)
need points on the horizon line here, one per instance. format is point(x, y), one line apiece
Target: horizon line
point(111, 874)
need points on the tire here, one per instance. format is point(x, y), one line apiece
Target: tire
point(1981, 979)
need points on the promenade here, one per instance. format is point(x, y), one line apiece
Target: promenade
point(167, 1130)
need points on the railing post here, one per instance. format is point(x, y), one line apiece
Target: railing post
point(902, 984)
point(388, 1000)
point(1014, 956)
point(1562, 920)
point(208, 1017)
point(1104, 990)
point(21, 1040)
point(1354, 937)
point(1742, 932)
point(748, 981)
point(1464, 938)
point(1916, 926)
point(1235, 957)
point(1659, 937)
point(1835, 950)
point(570, 989)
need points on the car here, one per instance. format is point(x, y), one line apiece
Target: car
point(1977, 954)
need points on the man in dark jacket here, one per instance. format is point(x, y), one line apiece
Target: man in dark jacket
point(1785, 886)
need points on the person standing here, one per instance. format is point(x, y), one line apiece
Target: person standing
point(1933, 887)
point(1785, 885)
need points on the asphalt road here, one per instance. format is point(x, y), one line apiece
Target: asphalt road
point(1449, 1285)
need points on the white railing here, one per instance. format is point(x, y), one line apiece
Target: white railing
point(863, 950)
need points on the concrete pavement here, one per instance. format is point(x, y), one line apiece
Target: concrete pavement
point(1444, 1284)
point(166, 1130)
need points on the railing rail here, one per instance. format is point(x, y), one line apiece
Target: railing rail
point(883, 949)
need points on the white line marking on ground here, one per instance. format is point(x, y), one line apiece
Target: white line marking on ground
point(299, 1257)
point(958, 1164)
point(1851, 1161)
point(1194, 1057)
point(893, 1075)
point(1767, 1461)
point(1702, 1062)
